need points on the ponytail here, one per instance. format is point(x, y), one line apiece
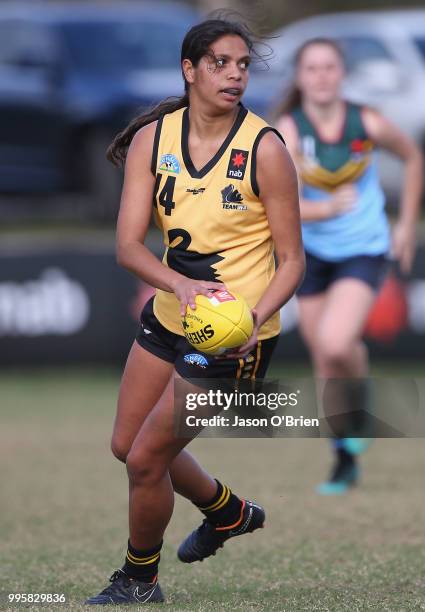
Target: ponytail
point(292, 100)
point(117, 150)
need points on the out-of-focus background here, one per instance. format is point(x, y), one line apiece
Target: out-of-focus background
point(72, 74)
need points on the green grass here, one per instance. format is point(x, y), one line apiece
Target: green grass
point(63, 515)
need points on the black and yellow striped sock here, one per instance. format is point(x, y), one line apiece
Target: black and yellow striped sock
point(224, 509)
point(142, 564)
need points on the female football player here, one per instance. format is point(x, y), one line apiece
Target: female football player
point(188, 159)
point(345, 231)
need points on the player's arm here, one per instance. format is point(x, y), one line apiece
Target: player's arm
point(278, 191)
point(341, 199)
point(133, 222)
point(389, 137)
point(135, 213)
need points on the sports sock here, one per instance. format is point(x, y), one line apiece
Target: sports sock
point(344, 457)
point(348, 404)
point(224, 509)
point(142, 564)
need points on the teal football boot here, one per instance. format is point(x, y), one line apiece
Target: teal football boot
point(344, 478)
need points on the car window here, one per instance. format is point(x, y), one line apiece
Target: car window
point(358, 49)
point(10, 41)
point(420, 44)
point(25, 43)
point(115, 47)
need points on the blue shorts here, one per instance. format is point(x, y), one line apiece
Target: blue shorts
point(320, 274)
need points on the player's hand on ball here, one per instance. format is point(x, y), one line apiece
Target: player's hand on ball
point(221, 322)
point(187, 289)
point(245, 349)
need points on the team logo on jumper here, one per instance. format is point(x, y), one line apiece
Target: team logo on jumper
point(196, 360)
point(232, 199)
point(237, 164)
point(169, 163)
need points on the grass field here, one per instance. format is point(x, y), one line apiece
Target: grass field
point(63, 519)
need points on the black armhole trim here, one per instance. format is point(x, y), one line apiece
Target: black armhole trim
point(155, 189)
point(156, 145)
point(260, 134)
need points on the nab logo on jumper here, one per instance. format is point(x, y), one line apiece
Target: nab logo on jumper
point(237, 164)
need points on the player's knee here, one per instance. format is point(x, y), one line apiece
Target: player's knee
point(335, 352)
point(119, 449)
point(144, 467)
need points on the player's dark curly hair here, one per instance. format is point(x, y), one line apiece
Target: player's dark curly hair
point(196, 44)
point(293, 97)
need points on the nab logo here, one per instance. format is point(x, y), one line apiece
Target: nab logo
point(237, 164)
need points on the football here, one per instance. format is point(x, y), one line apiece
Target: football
point(221, 321)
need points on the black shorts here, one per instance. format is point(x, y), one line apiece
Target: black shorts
point(320, 274)
point(191, 363)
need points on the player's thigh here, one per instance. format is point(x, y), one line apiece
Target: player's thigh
point(310, 308)
point(157, 442)
point(348, 301)
point(146, 381)
point(311, 296)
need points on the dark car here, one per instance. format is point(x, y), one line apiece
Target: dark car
point(71, 76)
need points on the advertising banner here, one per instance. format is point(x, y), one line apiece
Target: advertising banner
point(74, 305)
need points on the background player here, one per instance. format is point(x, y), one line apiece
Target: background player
point(345, 231)
point(183, 157)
